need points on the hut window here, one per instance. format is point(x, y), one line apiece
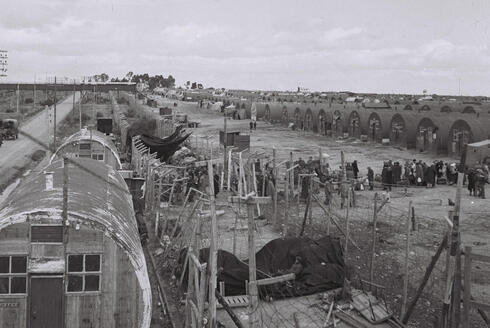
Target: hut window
point(84, 272)
point(84, 146)
point(98, 157)
point(13, 274)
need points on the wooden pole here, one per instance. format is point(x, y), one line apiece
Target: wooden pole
point(230, 166)
point(467, 287)
point(373, 247)
point(342, 160)
point(407, 246)
point(240, 173)
point(228, 310)
point(449, 272)
point(275, 175)
point(347, 224)
point(427, 274)
point(252, 272)
point(456, 252)
point(254, 177)
point(225, 141)
point(17, 96)
point(80, 111)
point(286, 196)
point(54, 121)
point(65, 191)
point(213, 250)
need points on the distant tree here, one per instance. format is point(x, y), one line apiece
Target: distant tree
point(194, 85)
point(129, 76)
point(199, 86)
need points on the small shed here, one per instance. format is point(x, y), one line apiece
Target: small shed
point(478, 153)
point(89, 144)
point(104, 125)
point(87, 269)
point(234, 139)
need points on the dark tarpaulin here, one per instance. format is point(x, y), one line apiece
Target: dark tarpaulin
point(164, 148)
point(318, 264)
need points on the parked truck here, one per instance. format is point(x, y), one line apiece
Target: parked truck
point(9, 129)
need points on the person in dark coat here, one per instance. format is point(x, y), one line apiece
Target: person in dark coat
point(430, 176)
point(397, 173)
point(471, 182)
point(355, 169)
point(370, 176)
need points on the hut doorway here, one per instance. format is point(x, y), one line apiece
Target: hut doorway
point(46, 299)
point(374, 129)
point(308, 125)
point(297, 119)
point(337, 124)
point(355, 125)
point(397, 132)
point(285, 117)
point(425, 137)
point(460, 139)
point(321, 125)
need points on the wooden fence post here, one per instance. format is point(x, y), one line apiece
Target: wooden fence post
point(373, 248)
point(467, 287)
point(213, 250)
point(407, 248)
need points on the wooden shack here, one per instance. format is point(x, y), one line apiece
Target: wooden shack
point(82, 269)
point(234, 139)
point(478, 153)
point(89, 144)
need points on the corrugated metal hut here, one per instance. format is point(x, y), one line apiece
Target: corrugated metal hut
point(273, 112)
point(324, 119)
point(89, 144)
point(378, 125)
point(309, 123)
point(86, 271)
point(354, 122)
point(403, 129)
point(465, 130)
point(285, 115)
point(432, 132)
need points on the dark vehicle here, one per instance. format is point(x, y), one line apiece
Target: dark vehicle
point(104, 125)
point(9, 129)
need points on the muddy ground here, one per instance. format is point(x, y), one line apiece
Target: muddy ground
point(430, 204)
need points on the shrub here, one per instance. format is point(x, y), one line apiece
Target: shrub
point(28, 100)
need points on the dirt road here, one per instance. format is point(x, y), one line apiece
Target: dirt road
point(15, 154)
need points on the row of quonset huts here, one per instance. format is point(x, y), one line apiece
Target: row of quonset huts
point(441, 128)
point(81, 268)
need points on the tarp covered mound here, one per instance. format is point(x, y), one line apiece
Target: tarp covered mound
point(318, 265)
point(166, 147)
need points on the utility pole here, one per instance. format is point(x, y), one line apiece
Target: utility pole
point(54, 136)
point(34, 94)
point(18, 94)
point(225, 141)
point(80, 109)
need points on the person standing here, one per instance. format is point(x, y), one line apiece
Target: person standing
point(370, 176)
point(328, 191)
point(355, 169)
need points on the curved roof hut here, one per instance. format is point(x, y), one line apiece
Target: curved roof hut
point(432, 132)
point(465, 130)
point(89, 144)
point(403, 128)
point(324, 119)
point(354, 124)
point(408, 107)
point(285, 115)
point(91, 261)
point(273, 113)
point(446, 109)
point(378, 125)
point(309, 121)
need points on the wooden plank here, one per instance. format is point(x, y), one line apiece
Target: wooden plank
point(249, 200)
point(275, 280)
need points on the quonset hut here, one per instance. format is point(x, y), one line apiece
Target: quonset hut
point(87, 271)
point(89, 144)
point(467, 130)
point(403, 128)
point(432, 133)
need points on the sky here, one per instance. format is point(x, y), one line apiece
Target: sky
point(382, 46)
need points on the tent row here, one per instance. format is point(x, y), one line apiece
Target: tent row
point(437, 132)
